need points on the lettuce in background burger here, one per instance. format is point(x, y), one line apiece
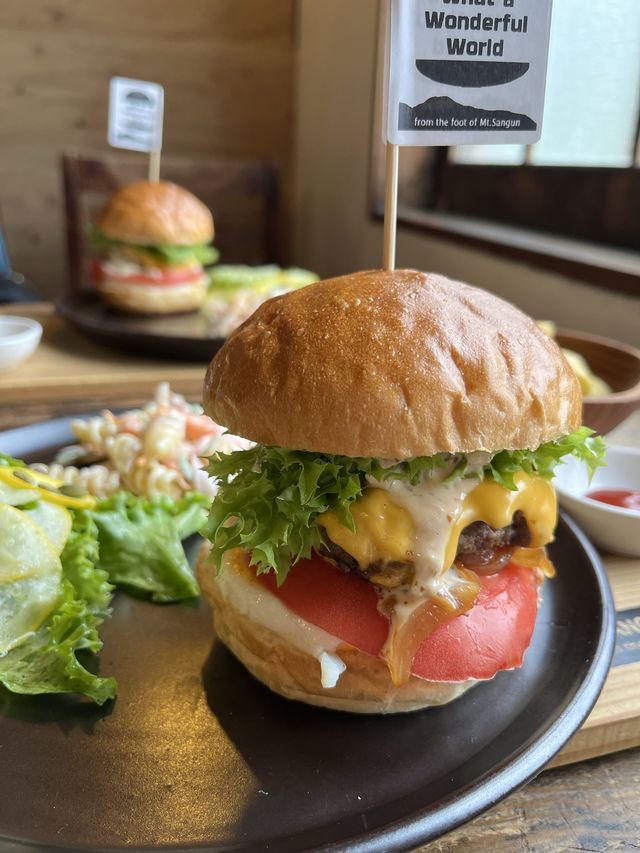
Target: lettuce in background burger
point(382, 546)
point(153, 239)
point(235, 291)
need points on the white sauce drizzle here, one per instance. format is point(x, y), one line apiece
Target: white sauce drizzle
point(331, 668)
point(434, 506)
point(118, 267)
point(259, 605)
point(121, 266)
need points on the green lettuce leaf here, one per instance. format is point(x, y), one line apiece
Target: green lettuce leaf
point(141, 543)
point(47, 662)
point(269, 498)
point(128, 540)
point(200, 252)
point(7, 461)
point(583, 444)
point(240, 276)
point(80, 563)
point(270, 277)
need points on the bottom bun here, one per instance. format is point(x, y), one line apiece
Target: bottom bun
point(153, 298)
point(270, 656)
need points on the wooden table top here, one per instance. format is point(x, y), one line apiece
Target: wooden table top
point(589, 806)
point(70, 372)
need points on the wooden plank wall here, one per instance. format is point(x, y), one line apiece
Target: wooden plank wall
point(227, 69)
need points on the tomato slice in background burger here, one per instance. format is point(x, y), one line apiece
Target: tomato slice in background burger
point(167, 275)
point(492, 636)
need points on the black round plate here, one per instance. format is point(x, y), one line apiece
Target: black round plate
point(195, 753)
point(182, 336)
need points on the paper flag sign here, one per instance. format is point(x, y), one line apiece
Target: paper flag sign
point(135, 114)
point(466, 71)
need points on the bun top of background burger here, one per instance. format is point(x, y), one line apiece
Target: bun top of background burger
point(382, 546)
point(153, 239)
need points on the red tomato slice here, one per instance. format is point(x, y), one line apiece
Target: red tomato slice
point(492, 636)
point(342, 604)
point(168, 275)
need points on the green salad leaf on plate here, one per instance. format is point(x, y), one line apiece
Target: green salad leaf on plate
point(47, 660)
point(57, 578)
point(141, 543)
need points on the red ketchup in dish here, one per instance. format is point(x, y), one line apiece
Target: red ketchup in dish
point(625, 498)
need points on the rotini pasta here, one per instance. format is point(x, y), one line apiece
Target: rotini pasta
point(98, 480)
point(164, 435)
point(122, 451)
point(155, 479)
point(95, 431)
point(152, 451)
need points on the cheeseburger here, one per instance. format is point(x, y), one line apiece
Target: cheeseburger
point(153, 240)
point(382, 546)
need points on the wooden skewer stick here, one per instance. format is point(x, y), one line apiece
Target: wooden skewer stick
point(154, 166)
point(390, 208)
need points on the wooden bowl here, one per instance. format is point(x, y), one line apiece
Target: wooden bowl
point(619, 365)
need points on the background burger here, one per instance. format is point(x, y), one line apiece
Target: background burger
point(153, 240)
point(382, 546)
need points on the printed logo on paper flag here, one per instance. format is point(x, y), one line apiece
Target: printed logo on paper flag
point(136, 109)
point(466, 71)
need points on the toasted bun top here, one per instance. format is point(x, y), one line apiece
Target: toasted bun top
point(392, 364)
point(156, 213)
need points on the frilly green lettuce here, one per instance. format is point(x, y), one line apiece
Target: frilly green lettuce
point(583, 444)
point(269, 497)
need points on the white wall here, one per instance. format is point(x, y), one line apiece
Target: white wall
point(333, 232)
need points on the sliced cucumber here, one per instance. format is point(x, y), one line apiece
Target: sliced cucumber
point(30, 574)
point(54, 519)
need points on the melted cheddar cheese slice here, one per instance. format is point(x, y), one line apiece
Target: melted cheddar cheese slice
point(386, 531)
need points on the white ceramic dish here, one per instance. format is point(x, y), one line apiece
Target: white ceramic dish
point(610, 527)
point(19, 337)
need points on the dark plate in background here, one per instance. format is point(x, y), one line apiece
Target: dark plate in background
point(195, 753)
point(175, 336)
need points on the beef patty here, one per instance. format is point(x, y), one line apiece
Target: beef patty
point(479, 545)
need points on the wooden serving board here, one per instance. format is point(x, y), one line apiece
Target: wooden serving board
point(614, 723)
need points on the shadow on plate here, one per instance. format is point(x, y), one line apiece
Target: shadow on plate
point(67, 710)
